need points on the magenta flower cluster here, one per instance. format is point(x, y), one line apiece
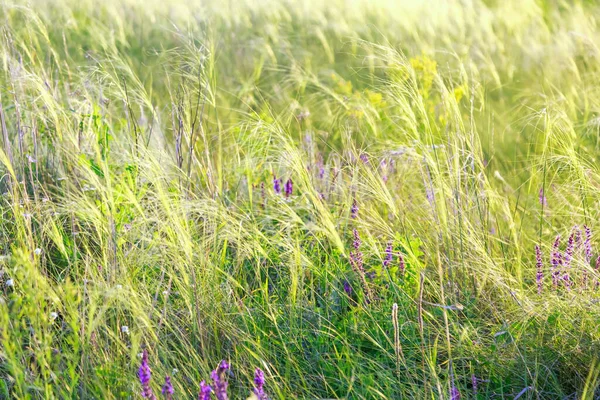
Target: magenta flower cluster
point(571, 267)
point(218, 376)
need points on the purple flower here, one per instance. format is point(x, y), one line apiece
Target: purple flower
point(401, 265)
point(356, 257)
point(347, 288)
point(577, 233)
point(556, 262)
point(587, 245)
point(430, 196)
point(389, 255)
point(354, 209)
point(276, 185)
point(289, 187)
point(568, 258)
point(384, 168)
point(454, 393)
point(597, 268)
point(321, 167)
point(259, 382)
point(167, 389)
point(204, 391)
point(356, 261)
point(364, 158)
point(539, 277)
point(543, 201)
point(474, 383)
point(356, 242)
point(145, 374)
point(220, 383)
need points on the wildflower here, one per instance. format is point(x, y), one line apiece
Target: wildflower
point(37, 251)
point(145, 374)
point(53, 315)
point(10, 283)
point(542, 196)
point(388, 255)
point(587, 245)
point(259, 382)
point(364, 158)
point(289, 188)
point(401, 265)
point(356, 261)
point(276, 185)
point(347, 288)
point(384, 168)
point(430, 196)
point(218, 377)
point(125, 329)
point(354, 209)
point(597, 268)
point(167, 389)
point(205, 391)
point(577, 233)
point(555, 262)
point(568, 258)
point(454, 393)
point(356, 242)
point(474, 384)
point(540, 266)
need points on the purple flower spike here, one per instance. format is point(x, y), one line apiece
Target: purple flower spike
point(570, 248)
point(556, 262)
point(289, 188)
point(356, 241)
point(597, 268)
point(218, 377)
point(577, 233)
point(474, 384)
point(454, 393)
point(205, 391)
point(568, 258)
point(263, 195)
point(145, 374)
point(259, 382)
point(543, 201)
point(539, 277)
point(401, 265)
point(389, 255)
point(354, 209)
point(167, 389)
point(347, 288)
point(587, 245)
point(276, 185)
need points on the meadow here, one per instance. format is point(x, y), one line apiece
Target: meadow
point(342, 199)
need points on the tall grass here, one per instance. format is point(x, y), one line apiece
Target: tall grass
point(431, 146)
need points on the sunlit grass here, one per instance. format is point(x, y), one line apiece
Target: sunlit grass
point(140, 143)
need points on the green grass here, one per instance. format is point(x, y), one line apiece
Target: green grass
point(140, 139)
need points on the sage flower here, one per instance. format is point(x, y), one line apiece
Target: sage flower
point(259, 382)
point(145, 374)
point(219, 381)
point(167, 389)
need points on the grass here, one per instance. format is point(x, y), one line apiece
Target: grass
point(140, 143)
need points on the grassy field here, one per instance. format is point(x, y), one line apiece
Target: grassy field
point(364, 199)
